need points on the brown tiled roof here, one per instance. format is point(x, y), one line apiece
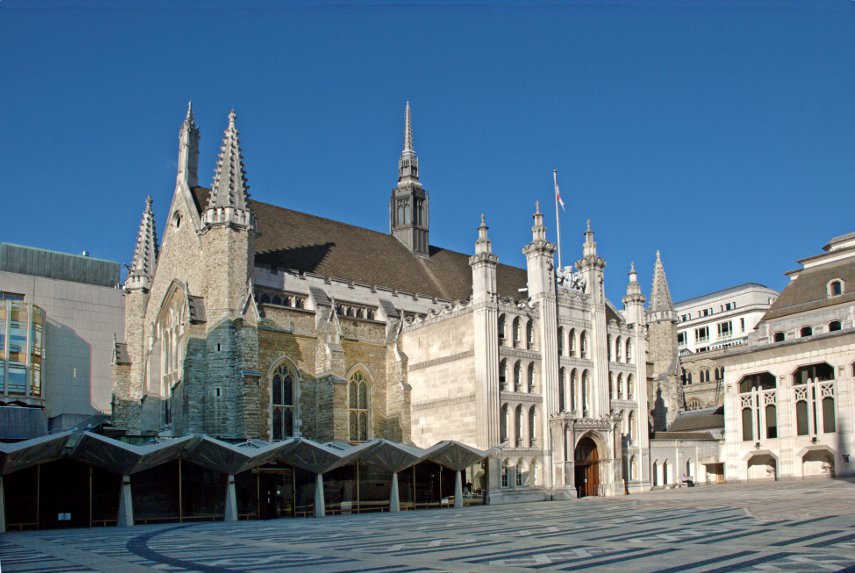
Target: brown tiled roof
point(306, 243)
point(809, 291)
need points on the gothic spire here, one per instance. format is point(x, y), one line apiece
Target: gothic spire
point(408, 130)
point(661, 307)
point(408, 165)
point(229, 200)
point(188, 150)
point(141, 271)
point(483, 246)
point(590, 246)
point(408, 208)
point(538, 230)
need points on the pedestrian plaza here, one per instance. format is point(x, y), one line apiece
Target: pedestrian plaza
point(772, 526)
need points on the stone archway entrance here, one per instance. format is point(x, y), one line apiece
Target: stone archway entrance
point(587, 468)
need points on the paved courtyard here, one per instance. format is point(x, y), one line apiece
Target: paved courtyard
point(784, 526)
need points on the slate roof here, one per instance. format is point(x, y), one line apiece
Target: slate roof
point(306, 243)
point(694, 420)
point(809, 291)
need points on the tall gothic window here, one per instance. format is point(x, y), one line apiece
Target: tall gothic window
point(583, 344)
point(283, 402)
point(571, 342)
point(357, 402)
point(562, 396)
point(529, 334)
point(629, 351)
point(502, 330)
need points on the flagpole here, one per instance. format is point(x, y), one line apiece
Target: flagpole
point(557, 223)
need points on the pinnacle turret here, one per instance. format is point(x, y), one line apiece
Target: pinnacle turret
point(141, 271)
point(188, 150)
point(538, 230)
point(229, 202)
point(408, 208)
point(661, 307)
point(483, 246)
point(589, 248)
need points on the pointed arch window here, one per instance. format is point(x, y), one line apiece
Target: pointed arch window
point(560, 341)
point(630, 393)
point(502, 330)
point(503, 423)
point(529, 335)
point(571, 342)
point(358, 402)
point(562, 396)
point(283, 402)
point(532, 427)
point(517, 376)
point(629, 351)
point(618, 349)
point(516, 332)
point(583, 344)
point(503, 375)
point(530, 378)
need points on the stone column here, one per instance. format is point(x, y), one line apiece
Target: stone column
point(126, 504)
point(231, 500)
point(320, 508)
point(394, 497)
point(458, 489)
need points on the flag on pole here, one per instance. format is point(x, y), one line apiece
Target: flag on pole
point(557, 192)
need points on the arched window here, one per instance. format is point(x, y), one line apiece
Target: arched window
point(574, 390)
point(530, 378)
point(358, 404)
point(517, 376)
point(609, 348)
point(835, 287)
point(834, 325)
point(631, 425)
point(529, 334)
point(283, 402)
point(687, 377)
point(265, 298)
point(503, 424)
point(806, 331)
point(629, 351)
point(814, 390)
point(501, 330)
point(586, 392)
point(611, 385)
point(519, 424)
point(533, 476)
point(560, 341)
point(520, 471)
point(719, 374)
point(630, 392)
point(532, 427)
point(583, 344)
point(620, 386)
point(693, 404)
point(506, 473)
point(571, 341)
point(516, 332)
point(503, 375)
point(618, 349)
point(562, 396)
point(771, 421)
point(633, 469)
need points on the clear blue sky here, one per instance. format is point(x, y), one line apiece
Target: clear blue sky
point(722, 133)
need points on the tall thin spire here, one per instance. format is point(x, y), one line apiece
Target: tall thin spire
point(188, 150)
point(661, 307)
point(408, 165)
point(141, 271)
point(408, 207)
point(229, 200)
point(408, 130)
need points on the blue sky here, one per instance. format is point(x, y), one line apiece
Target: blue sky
point(721, 133)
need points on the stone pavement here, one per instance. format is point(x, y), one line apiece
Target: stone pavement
point(782, 526)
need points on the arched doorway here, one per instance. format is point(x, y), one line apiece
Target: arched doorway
point(587, 464)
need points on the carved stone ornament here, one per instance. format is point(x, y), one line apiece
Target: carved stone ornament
point(568, 280)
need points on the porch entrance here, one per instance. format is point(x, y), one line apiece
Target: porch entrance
point(587, 468)
point(276, 492)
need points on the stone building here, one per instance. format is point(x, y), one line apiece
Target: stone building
point(253, 321)
point(708, 325)
point(789, 392)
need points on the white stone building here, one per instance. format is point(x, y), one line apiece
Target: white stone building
point(789, 392)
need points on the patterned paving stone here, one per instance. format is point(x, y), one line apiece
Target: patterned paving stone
point(783, 526)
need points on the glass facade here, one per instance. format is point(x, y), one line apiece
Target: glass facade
point(21, 349)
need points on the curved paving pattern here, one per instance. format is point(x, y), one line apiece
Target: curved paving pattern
point(784, 526)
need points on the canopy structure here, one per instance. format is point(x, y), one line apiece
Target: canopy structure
point(21, 455)
point(127, 459)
